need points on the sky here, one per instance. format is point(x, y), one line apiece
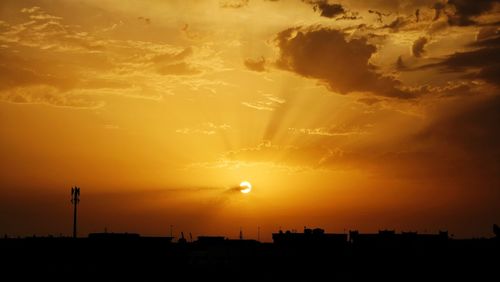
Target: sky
point(345, 115)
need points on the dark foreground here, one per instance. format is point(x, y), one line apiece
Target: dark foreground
point(309, 256)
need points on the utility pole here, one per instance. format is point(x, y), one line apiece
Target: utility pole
point(75, 199)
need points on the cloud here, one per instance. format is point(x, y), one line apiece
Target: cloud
point(463, 12)
point(47, 95)
point(326, 9)
point(487, 32)
point(329, 56)
point(267, 103)
point(438, 10)
point(471, 131)
point(452, 89)
point(235, 4)
point(169, 57)
point(288, 157)
point(466, 11)
point(349, 16)
point(206, 128)
point(418, 46)
point(178, 69)
point(458, 142)
point(24, 81)
point(29, 80)
point(258, 65)
point(482, 62)
point(379, 14)
point(330, 131)
point(144, 19)
point(293, 159)
point(37, 13)
point(40, 49)
point(459, 138)
point(234, 189)
point(261, 106)
point(369, 101)
point(16, 71)
point(400, 64)
point(175, 62)
point(47, 32)
point(398, 23)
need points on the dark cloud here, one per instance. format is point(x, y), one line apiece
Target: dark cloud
point(326, 10)
point(438, 10)
point(327, 55)
point(472, 129)
point(144, 19)
point(398, 23)
point(482, 62)
point(436, 27)
point(349, 16)
point(418, 46)
point(487, 32)
point(456, 12)
point(235, 4)
point(395, 6)
point(400, 65)
point(369, 101)
point(459, 144)
point(234, 190)
point(463, 12)
point(466, 10)
point(379, 14)
point(256, 64)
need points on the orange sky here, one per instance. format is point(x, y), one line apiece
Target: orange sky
point(343, 115)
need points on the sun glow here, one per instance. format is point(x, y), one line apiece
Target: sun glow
point(246, 187)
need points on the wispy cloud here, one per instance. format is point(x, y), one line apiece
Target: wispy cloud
point(291, 159)
point(331, 131)
point(88, 63)
point(47, 95)
point(267, 102)
point(235, 4)
point(206, 128)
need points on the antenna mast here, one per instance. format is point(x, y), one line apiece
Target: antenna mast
point(75, 199)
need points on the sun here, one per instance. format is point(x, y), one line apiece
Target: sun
point(245, 187)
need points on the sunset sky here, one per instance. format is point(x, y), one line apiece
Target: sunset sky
point(342, 114)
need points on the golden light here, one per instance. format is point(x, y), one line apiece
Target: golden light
point(246, 187)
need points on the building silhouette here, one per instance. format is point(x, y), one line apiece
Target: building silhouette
point(313, 255)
